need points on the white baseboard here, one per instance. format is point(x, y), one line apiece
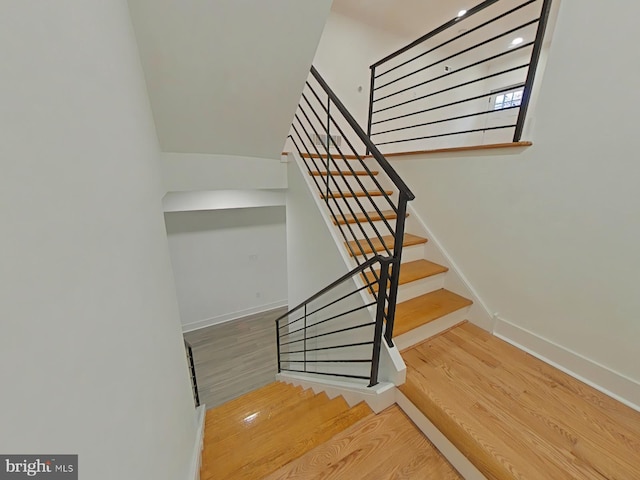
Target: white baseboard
point(377, 397)
point(196, 459)
point(442, 443)
point(189, 327)
point(600, 377)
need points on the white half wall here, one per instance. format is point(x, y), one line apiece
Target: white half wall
point(197, 172)
point(548, 235)
point(91, 354)
point(228, 263)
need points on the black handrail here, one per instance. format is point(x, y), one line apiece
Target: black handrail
point(381, 303)
point(449, 119)
point(393, 175)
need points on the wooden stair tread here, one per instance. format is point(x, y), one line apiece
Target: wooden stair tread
point(410, 272)
point(374, 193)
point(515, 416)
point(347, 173)
point(408, 240)
point(361, 217)
point(426, 308)
point(265, 440)
point(387, 445)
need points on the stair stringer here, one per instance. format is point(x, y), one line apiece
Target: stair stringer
point(378, 397)
point(392, 368)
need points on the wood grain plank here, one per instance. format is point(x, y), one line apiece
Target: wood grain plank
point(410, 272)
point(346, 173)
point(362, 218)
point(372, 193)
point(514, 416)
point(426, 308)
point(384, 446)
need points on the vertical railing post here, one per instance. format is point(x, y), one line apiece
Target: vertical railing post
point(305, 337)
point(278, 343)
point(533, 66)
point(395, 271)
point(377, 335)
point(328, 142)
point(372, 84)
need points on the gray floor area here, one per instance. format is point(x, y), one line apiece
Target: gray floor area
point(235, 357)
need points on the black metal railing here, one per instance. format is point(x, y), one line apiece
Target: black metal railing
point(467, 82)
point(192, 373)
point(332, 333)
point(369, 216)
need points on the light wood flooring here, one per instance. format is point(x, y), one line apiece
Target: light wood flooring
point(384, 446)
point(235, 357)
point(516, 417)
point(256, 434)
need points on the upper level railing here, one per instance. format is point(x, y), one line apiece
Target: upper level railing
point(332, 145)
point(467, 82)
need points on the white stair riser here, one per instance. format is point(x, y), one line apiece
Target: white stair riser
point(343, 183)
point(362, 203)
point(420, 287)
point(430, 329)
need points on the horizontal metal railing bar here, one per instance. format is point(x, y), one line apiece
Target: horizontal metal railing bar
point(324, 373)
point(457, 102)
point(333, 332)
point(328, 361)
point(333, 303)
point(348, 345)
point(461, 52)
point(445, 26)
point(448, 89)
point(484, 112)
point(382, 161)
point(342, 279)
point(448, 134)
point(328, 319)
point(458, 70)
point(364, 165)
point(468, 32)
point(348, 204)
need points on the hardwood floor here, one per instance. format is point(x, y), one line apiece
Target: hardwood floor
point(379, 447)
point(235, 357)
point(514, 416)
point(258, 433)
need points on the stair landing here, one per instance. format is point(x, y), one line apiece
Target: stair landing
point(514, 416)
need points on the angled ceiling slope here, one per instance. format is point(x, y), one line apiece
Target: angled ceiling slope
point(225, 76)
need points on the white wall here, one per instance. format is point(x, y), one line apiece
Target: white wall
point(91, 355)
point(228, 263)
point(549, 235)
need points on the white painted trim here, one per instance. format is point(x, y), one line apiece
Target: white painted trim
point(461, 463)
point(378, 397)
point(196, 458)
point(189, 327)
point(602, 378)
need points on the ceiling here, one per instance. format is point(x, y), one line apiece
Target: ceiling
point(411, 18)
point(225, 76)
